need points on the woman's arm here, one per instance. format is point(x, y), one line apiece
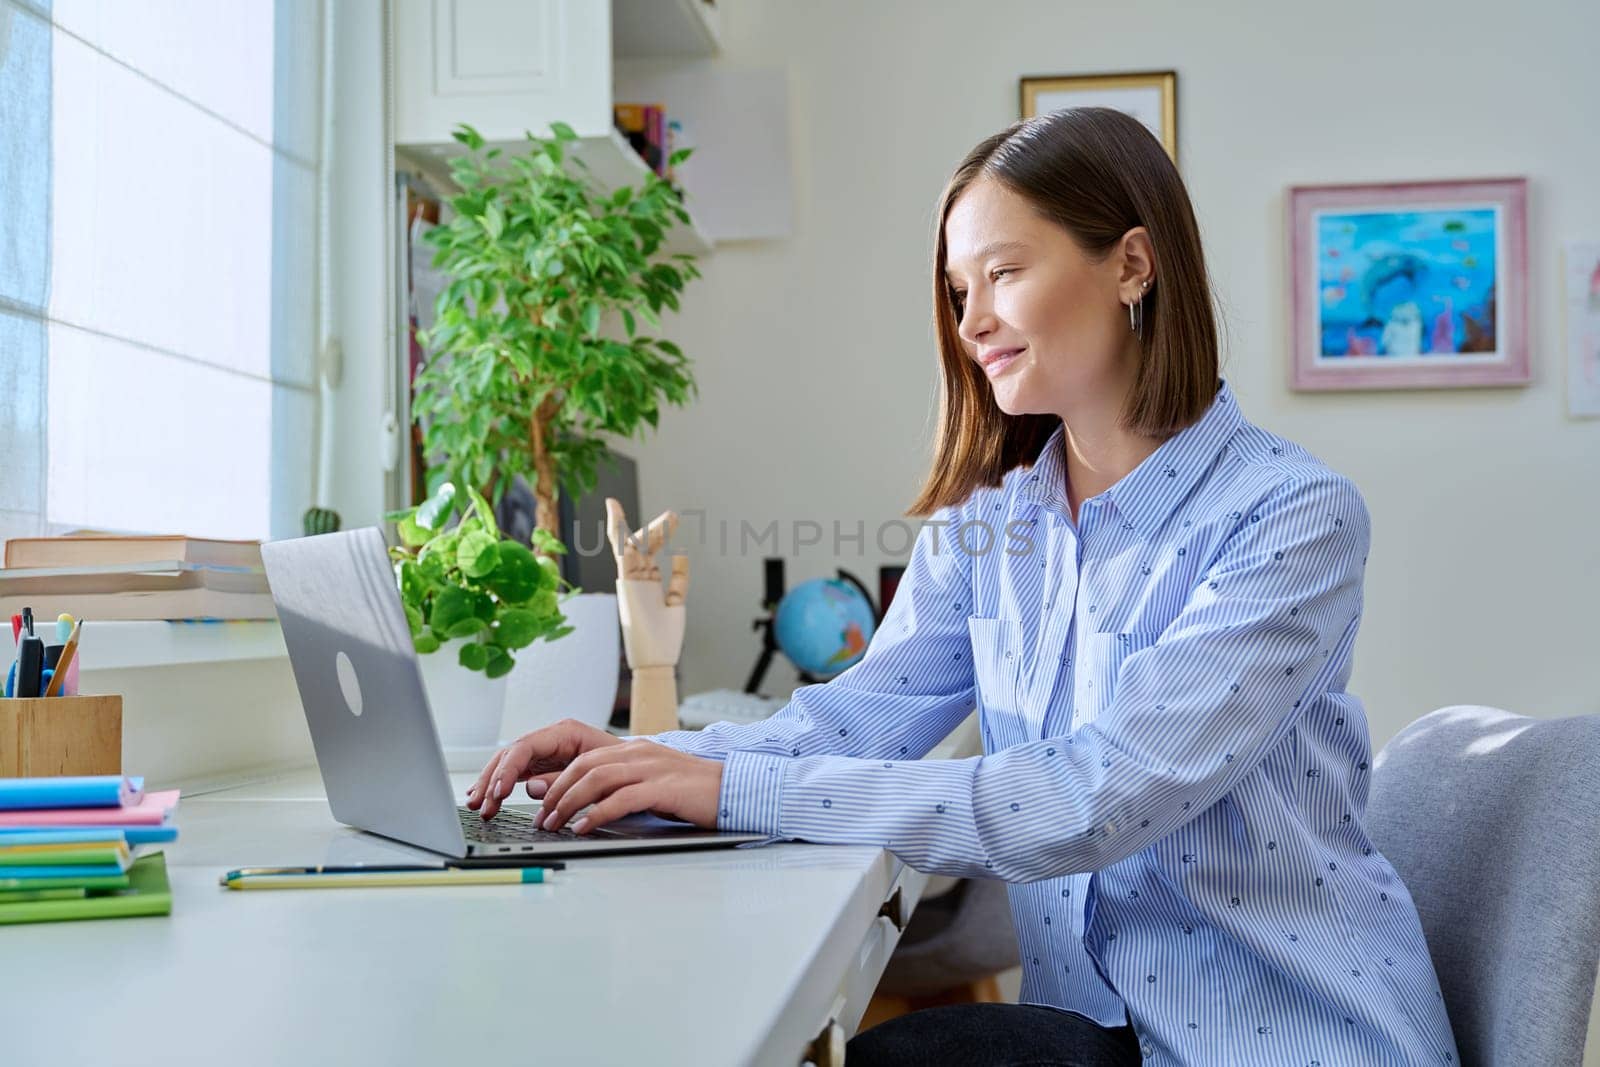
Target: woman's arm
point(912, 687)
point(1192, 714)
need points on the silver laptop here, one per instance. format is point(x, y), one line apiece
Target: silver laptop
point(373, 731)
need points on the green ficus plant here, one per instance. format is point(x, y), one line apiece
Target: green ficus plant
point(465, 580)
point(520, 379)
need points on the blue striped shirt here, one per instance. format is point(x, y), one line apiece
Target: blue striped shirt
point(1174, 777)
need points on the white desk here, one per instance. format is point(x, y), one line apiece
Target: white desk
point(727, 957)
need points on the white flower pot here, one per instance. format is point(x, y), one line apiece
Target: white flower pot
point(573, 677)
point(467, 705)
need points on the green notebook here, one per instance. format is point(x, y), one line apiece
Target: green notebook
point(16, 896)
point(88, 855)
point(147, 894)
point(96, 881)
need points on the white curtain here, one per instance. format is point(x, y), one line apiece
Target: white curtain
point(158, 181)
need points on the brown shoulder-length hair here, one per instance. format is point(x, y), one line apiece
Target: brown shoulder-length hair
point(1097, 173)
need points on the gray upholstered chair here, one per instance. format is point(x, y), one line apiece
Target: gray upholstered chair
point(1493, 822)
point(958, 937)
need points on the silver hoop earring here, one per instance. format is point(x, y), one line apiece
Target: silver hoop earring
point(1136, 311)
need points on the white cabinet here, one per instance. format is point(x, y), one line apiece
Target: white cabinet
point(507, 67)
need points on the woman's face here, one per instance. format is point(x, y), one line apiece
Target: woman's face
point(1043, 320)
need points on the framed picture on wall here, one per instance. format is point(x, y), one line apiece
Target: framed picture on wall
point(1151, 97)
point(1409, 285)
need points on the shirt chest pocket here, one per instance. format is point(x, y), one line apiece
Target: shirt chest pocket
point(997, 667)
point(1099, 663)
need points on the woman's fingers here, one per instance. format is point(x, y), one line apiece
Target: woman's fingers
point(625, 801)
point(590, 785)
point(539, 784)
point(475, 793)
point(530, 752)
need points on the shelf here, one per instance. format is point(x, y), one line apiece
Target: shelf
point(610, 159)
point(646, 29)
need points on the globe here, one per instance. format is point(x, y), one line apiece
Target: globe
point(823, 626)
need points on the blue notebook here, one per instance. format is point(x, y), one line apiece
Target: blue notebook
point(49, 835)
point(133, 835)
point(100, 791)
point(27, 874)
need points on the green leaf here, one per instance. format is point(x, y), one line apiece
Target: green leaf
point(435, 512)
point(413, 620)
point(554, 267)
point(519, 628)
point(591, 319)
point(477, 554)
point(494, 221)
point(412, 535)
point(563, 132)
point(628, 323)
point(468, 136)
point(499, 663)
point(473, 656)
point(548, 544)
point(452, 607)
point(424, 643)
point(516, 576)
point(414, 586)
point(467, 627)
point(485, 514)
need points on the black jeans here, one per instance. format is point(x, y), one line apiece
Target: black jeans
point(993, 1035)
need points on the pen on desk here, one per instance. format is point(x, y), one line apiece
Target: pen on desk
point(61, 665)
point(374, 876)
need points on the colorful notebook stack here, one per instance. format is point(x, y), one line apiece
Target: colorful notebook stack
point(67, 848)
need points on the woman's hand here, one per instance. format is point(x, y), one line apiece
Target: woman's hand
point(639, 775)
point(537, 758)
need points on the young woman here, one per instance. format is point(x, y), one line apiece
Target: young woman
point(1152, 603)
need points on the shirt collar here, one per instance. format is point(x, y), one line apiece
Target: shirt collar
point(1149, 493)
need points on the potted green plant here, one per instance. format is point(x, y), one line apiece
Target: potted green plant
point(484, 596)
point(538, 352)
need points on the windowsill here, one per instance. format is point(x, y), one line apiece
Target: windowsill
point(113, 645)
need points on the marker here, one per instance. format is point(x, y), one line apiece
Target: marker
point(30, 663)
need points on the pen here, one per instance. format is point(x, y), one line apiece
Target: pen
point(67, 654)
point(372, 877)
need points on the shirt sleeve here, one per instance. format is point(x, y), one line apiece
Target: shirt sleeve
point(913, 686)
point(1192, 714)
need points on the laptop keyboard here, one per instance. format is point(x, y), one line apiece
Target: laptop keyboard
point(510, 826)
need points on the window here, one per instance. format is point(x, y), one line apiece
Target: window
point(158, 267)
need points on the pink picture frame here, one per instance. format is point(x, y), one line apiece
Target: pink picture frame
point(1409, 285)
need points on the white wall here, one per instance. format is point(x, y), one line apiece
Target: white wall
point(816, 360)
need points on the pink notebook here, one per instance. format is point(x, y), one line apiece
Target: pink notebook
point(150, 811)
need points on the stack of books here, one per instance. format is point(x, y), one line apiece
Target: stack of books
point(115, 577)
point(645, 127)
point(67, 848)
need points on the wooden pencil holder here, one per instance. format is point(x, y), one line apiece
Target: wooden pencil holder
point(45, 736)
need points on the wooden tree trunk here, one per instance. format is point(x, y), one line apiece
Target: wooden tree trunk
point(546, 514)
